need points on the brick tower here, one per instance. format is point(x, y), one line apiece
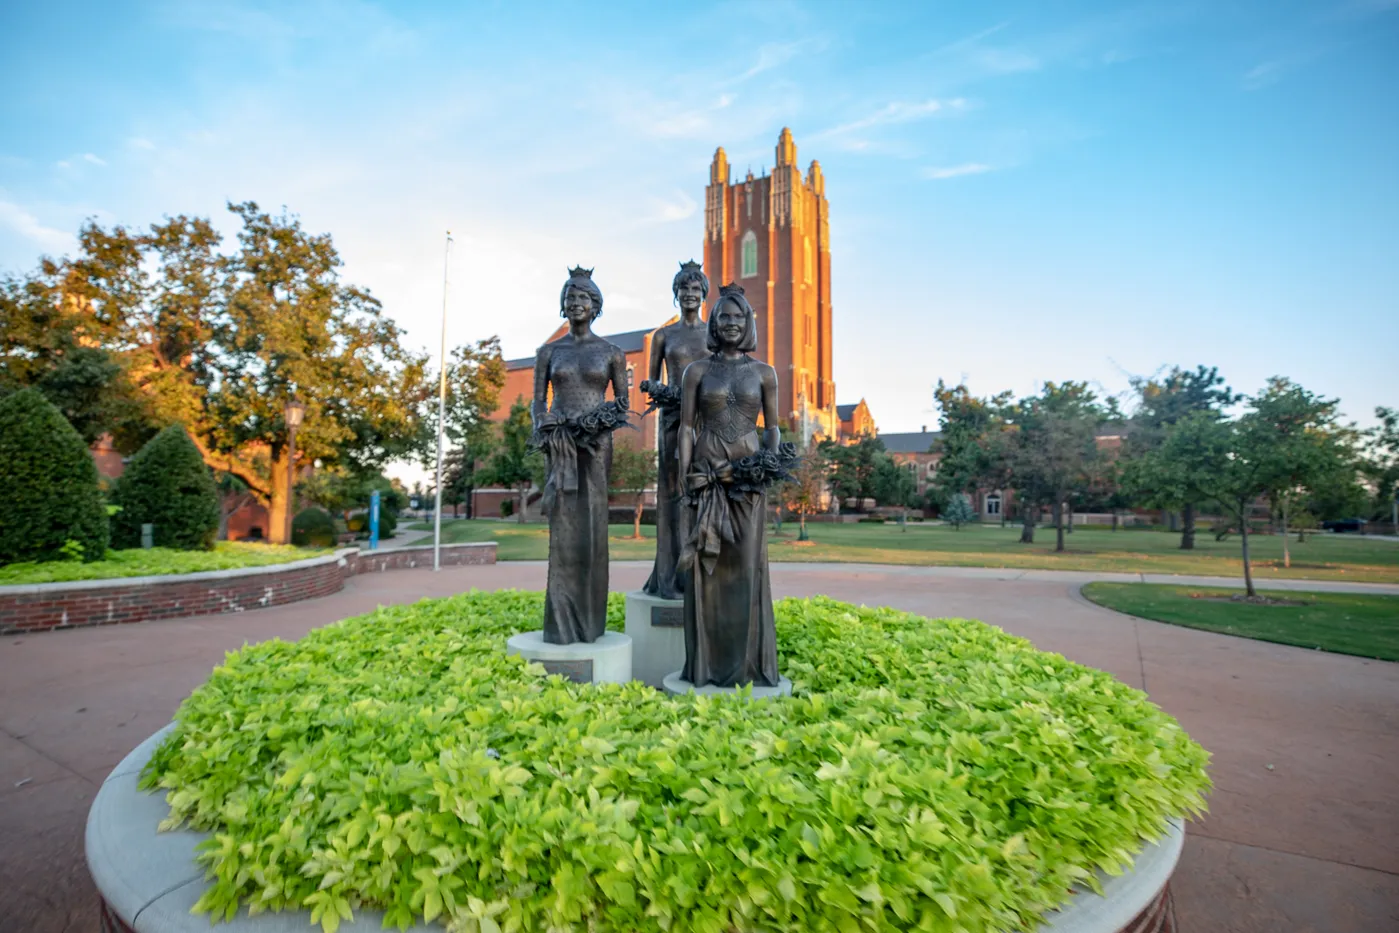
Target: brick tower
point(771, 235)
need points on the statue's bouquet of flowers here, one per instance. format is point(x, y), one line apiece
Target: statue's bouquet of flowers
point(756, 472)
point(586, 429)
point(663, 396)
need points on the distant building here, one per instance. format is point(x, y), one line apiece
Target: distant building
point(855, 421)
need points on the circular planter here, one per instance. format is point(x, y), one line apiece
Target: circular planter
point(148, 880)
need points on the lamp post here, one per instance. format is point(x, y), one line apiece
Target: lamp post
point(293, 413)
point(441, 413)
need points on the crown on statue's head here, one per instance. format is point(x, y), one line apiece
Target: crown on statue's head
point(733, 289)
point(691, 266)
point(578, 272)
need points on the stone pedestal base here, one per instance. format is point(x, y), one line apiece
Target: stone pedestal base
point(605, 661)
point(657, 631)
point(674, 685)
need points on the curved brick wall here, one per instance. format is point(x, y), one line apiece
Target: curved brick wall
point(46, 606)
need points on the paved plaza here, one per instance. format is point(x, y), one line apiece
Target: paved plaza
point(1303, 829)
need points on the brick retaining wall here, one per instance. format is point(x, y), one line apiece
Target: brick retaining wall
point(48, 606)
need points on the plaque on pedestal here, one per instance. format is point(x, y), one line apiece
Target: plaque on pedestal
point(607, 660)
point(657, 630)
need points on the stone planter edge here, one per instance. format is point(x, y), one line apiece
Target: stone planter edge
point(157, 888)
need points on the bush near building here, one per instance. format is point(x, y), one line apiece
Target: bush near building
point(168, 486)
point(313, 527)
point(54, 508)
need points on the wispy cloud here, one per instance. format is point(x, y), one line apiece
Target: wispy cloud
point(140, 142)
point(776, 54)
point(92, 159)
point(28, 226)
point(941, 173)
point(680, 206)
point(1262, 75)
point(894, 113)
point(687, 124)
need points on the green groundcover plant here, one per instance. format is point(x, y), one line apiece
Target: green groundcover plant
point(156, 561)
point(926, 774)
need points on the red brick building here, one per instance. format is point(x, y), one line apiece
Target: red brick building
point(771, 234)
point(856, 421)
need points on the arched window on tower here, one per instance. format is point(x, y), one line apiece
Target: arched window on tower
point(806, 257)
point(750, 255)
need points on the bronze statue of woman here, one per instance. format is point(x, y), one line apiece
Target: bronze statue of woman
point(576, 437)
point(730, 632)
point(675, 346)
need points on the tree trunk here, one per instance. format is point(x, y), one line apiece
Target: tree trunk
point(1114, 519)
point(520, 512)
point(636, 520)
point(1027, 527)
point(1243, 536)
point(801, 535)
point(1069, 508)
point(1187, 527)
point(1058, 512)
point(1286, 556)
point(279, 504)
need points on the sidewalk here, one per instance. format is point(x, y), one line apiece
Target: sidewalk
point(1302, 835)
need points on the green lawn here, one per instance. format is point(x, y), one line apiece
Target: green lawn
point(1346, 623)
point(157, 561)
point(1320, 557)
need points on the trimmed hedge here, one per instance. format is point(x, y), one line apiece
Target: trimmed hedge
point(926, 774)
point(53, 508)
point(314, 527)
point(168, 485)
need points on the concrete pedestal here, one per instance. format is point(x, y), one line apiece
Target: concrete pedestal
point(674, 685)
point(657, 632)
point(605, 661)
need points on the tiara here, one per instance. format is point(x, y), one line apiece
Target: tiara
point(691, 266)
point(732, 290)
point(578, 272)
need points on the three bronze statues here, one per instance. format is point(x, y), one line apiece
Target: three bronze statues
point(715, 464)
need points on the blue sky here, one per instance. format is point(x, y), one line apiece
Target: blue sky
point(1019, 191)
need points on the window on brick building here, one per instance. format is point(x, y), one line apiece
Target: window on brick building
point(993, 504)
point(806, 257)
point(631, 376)
point(750, 255)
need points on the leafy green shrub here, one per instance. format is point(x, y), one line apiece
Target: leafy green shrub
point(359, 524)
point(53, 507)
point(313, 527)
point(167, 485)
point(937, 774)
point(507, 508)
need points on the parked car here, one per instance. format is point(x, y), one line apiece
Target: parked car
point(1345, 524)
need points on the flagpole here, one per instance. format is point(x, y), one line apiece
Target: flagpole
point(441, 413)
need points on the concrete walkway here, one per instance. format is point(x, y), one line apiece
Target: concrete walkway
point(1303, 830)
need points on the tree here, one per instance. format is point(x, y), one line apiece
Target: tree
point(1381, 464)
point(852, 466)
point(220, 343)
point(54, 508)
point(958, 510)
point(1289, 438)
point(633, 469)
point(1307, 446)
point(168, 486)
point(233, 495)
point(459, 476)
point(514, 463)
point(45, 345)
point(803, 493)
point(1160, 404)
point(893, 485)
point(475, 377)
point(1054, 449)
point(974, 442)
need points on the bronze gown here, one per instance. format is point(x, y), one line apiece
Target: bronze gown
point(575, 596)
point(683, 345)
point(730, 632)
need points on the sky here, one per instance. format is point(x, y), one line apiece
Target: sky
point(1019, 192)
